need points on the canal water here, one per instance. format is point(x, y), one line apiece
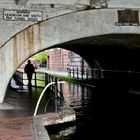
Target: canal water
point(105, 110)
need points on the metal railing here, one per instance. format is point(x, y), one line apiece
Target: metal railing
point(39, 79)
point(41, 95)
point(86, 73)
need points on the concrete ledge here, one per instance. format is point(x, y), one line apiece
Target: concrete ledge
point(39, 129)
point(65, 114)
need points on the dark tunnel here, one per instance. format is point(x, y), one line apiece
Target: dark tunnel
point(113, 52)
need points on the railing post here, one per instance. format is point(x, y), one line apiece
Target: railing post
point(61, 90)
point(82, 73)
point(51, 85)
point(73, 72)
point(56, 94)
point(35, 80)
point(92, 74)
point(87, 73)
point(77, 72)
point(46, 79)
point(49, 79)
point(70, 72)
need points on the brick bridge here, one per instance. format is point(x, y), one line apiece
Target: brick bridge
point(106, 30)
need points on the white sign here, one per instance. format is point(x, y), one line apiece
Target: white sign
point(22, 15)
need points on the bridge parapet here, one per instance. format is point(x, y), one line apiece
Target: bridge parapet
point(48, 9)
point(61, 2)
point(91, 3)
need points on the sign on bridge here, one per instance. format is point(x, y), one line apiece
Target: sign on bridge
point(128, 17)
point(22, 15)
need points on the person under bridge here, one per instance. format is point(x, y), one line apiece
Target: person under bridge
point(29, 70)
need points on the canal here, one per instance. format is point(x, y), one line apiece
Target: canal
point(106, 109)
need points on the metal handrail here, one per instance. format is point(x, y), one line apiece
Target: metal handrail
point(41, 95)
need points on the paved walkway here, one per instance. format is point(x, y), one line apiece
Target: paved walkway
point(62, 73)
point(16, 117)
point(17, 129)
point(16, 114)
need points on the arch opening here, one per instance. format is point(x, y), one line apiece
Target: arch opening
point(24, 98)
point(110, 52)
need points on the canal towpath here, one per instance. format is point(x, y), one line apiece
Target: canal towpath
point(16, 116)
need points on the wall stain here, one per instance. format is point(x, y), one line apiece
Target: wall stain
point(39, 37)
point(30, 40)
point(15, 52)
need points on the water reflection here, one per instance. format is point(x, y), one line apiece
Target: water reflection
point(106, 110)
point(78, 97)
point(62, 132)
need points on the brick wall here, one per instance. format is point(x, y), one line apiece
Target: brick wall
point(61, 59)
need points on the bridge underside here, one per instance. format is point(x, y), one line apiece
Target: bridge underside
point(116, 52)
